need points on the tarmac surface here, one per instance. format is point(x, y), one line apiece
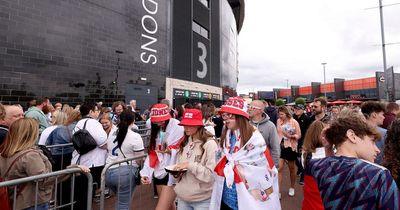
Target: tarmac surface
point(144, 199)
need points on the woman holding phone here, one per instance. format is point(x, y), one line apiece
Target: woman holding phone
point(196, 157)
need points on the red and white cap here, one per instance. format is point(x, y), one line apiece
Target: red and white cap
point(235, 105)
point(192, 117)
point(159, 113)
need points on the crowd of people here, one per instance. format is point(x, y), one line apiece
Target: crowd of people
point(203, 157)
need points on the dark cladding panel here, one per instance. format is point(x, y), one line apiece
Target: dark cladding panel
point(316, 89)
point(295, 91)
point(397, 85)
point(262, 95)
point(201, 59)
point(196, 42)
point(201, 14)
point(390, 83)
point(380, 81)
point(181, 42)
point(339, 88)
point(215, 43)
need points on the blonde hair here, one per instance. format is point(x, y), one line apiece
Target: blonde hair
point(2, 112)
point(60, 117)
point(73, 116)
point(67, 109)
point(21, 136)
point(105, 116)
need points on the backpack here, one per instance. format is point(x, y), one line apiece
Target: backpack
point(82, 141)
point(5, 201)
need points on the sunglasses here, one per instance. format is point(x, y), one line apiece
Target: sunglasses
point(226, 116)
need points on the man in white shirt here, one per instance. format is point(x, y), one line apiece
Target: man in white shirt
point(94, 159)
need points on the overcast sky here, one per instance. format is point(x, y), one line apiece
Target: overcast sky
point(289, 39)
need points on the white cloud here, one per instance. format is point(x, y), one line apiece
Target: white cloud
point(290, 39)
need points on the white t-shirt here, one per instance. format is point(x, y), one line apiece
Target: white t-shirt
point(96, 157)
point(173, 133)
point(132, 144)
point(45, 134)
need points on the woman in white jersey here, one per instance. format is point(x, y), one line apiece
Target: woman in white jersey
point(122, 144)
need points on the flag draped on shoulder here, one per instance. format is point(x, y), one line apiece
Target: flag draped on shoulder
point(252, 170)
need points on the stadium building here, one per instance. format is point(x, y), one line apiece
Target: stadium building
point(101, 50)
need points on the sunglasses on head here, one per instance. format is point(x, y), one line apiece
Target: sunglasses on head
point(254, 107)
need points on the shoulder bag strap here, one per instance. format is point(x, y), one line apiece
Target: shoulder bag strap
point(84, 125)
point(120, 149)
point(15, 160)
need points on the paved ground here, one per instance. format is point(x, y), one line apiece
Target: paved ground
point(143, 199)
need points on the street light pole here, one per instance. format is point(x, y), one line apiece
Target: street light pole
point(287, 86)
point(386, 72)
point(323, 64)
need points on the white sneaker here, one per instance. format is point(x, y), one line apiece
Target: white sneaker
point(291, 192)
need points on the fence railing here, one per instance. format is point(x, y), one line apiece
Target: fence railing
point(58, 175)
point(103, 176)
point(58, 150)
point(63, 161)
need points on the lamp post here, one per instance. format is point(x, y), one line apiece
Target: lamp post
point(386, 72)
point(287, 86)
point(323, 64)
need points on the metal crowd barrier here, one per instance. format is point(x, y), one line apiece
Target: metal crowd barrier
point(103, 176)
point(72, 171)
point(138, 123)
point(59, 145)
point(59, 150)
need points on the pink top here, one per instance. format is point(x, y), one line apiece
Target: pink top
point(289, 131)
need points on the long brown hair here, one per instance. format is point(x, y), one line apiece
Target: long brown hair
point(286, 111)
point(203, 136)
point(21, 136)
point(153, 134)
point(245, 128)
point(391, 151)
point(312, 139)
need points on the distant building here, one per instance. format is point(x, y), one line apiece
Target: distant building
point(370, 88)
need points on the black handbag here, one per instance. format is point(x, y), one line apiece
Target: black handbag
point(138, 178)
point(83, 141)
